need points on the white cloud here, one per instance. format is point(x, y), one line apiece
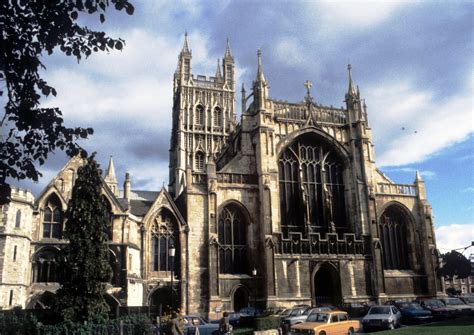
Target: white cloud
point(454, 236)
point(342, 16)
point(288, 50)
point(412, 125)
point(427, 174)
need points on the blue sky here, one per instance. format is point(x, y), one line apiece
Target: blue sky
point(411, 59)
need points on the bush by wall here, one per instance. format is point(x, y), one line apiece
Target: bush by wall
point(267, 322)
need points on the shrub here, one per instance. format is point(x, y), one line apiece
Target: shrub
point(267, 322)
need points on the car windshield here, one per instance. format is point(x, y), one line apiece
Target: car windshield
point(412, 305)
point(434, 303)
point(286, 312)
point(379, 310)
point(317, 317)
point(296, 312)
point(453, 301)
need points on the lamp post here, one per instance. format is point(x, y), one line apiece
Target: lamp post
point(171, 253)
point(254, 274)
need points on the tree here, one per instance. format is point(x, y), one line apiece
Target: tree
point(82, 294)
point(455, 265)
point(27, 30)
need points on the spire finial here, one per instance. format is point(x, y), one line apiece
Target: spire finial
point(227, 54)
point(308, 87)
point(243, 89)
point(351, 90)
point(218, 70)
point(418, 176)
point(185, 46)
point(260, 76)
point(110, 175)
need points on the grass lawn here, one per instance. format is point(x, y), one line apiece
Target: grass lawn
point(461, 326)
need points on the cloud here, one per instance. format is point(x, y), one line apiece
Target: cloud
point(469, 189)
point(454, 236)
point(288, 50)
point(427, 174)
point(411, 124)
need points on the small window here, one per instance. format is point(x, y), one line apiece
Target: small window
point(199, 116)
point(10, 302)
point(199, 161)
point(14, 253)
point(333, 318)
point(18, 219)
point(343, 317)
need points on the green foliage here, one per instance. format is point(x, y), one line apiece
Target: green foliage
point(82, 295)
point(28, 29)
point(267, 322)
point(242, 331)
point(455, 265)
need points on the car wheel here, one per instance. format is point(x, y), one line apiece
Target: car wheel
point(322, 333)
point(391, 326)
point(350, 331)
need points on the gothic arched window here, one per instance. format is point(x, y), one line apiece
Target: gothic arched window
point(393, 234)
point(18, 219)
point(46, 266)
point(52, 219)
point(217, 117)
point(199, 119)
point(164, 235)
point(199, 161)
point(232, 240)
point(311, 188)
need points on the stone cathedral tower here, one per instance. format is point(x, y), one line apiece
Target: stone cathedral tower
point(203, 116)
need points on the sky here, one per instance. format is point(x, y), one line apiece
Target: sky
point(411, 59)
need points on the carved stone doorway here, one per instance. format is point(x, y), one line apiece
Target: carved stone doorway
point(240, 299)
point(326, 285)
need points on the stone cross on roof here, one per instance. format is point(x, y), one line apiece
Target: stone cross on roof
point(308, 86)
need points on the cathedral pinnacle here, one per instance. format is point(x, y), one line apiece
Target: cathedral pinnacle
point(218, 70)
point(110, 175)
point(228, 54)
point(260, 76)
point(185, 46)
point(351, 91)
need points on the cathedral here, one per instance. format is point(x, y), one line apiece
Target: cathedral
point(284, 206)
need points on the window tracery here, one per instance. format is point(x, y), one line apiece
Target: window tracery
point(393, 234)
point(163, 237)
point(46, 267)
point(52, 219)
point(232, 240)
point(311, 183)
point(199, 115)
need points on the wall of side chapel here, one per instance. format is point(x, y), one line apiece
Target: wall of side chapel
point(198, 241)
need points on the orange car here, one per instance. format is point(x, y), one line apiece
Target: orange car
point(327, 323)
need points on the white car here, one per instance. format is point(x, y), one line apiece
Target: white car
point(381, 317)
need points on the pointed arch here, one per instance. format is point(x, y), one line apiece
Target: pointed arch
point(46, 263)
point(199, 115)
point(52, 223)
point(217, 117)
point(312, 174)
point(395, 225)
point(232, 230)
point(199, 161)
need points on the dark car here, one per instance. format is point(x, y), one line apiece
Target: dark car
point(412, 312)
point(438, 309)
point(355, 309)
point(196, 324)
point(468, 299)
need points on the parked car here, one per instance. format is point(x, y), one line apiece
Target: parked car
point(327, 323)
point(438, 309)
point(459, 305)
point(250, 311)
point(468, 299)
point(292, 314)
point(294, 320)
point(354, 309)
point(381, 317)
point(412, 312)
point(193, 322)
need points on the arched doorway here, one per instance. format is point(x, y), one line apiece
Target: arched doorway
point(327, 287)
point(41, 301)
point(163, 301)
point(240, 299)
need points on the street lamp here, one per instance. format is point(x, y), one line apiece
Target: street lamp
point(254, 274)
point(171, 253)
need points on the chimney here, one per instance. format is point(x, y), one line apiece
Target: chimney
point(126, 187)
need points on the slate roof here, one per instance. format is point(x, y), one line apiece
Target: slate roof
point(140, 207)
